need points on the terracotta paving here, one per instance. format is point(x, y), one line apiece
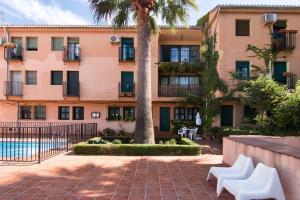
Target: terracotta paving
point(69, 176)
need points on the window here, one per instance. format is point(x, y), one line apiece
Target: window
point(32, 43)
point(64, 113)
point(114, 113)
point(31, 78)
point(242, 69)
point(249, 112)
point(128, 113)
point(180, 80)
point(25, 112)
point(179, 113)
point(191, 113)
point(78, 113)
point(181, 53)
point(57, 43)
point(40, 112)
point(56, 77)
point(242, 27)
point(127, 49)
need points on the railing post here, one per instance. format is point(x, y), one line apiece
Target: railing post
point(81, 131)
point(39, 145)
point(67, 135)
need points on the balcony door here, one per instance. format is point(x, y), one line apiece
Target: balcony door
point(227, 115)
point(16, 79)
point(279, 69)
point(164, 124)
point(127, 81)
point(73, 83)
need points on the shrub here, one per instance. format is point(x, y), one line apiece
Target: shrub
point(171, 142)
point(187, 148)
point(109, 132)
point(116, 141)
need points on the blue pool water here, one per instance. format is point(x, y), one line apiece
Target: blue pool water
point(26, 149)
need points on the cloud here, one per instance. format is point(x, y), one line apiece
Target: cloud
point(37, 12)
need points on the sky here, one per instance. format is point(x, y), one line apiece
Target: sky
point(78, 12)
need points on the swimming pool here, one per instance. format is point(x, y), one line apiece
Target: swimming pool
point(18, 149)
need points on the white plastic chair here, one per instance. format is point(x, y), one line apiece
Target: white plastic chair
point(182, 132)
point(264, 183)
point(241, 169)
point(192, 133)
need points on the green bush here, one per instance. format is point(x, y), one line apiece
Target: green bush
point(116, 141)
point(187, 148)
point(109, 132)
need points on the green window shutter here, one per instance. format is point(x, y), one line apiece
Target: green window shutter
point(242, 27)
point(243, 69)
point(32, 43)
point(127, 83)
point(56, 77)
point(279, 69)
point(57, 43)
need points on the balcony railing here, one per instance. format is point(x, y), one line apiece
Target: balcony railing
point(126, 54)
point(179, 55)
point(284, 40)
point(71, 89)
point(126, 89)
point(291, 80)
point(72, 53)
point(13, 88)
point(15, 53)
point(179, 90)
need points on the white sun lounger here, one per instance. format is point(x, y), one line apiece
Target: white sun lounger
point(263, 183)
point(241, 169)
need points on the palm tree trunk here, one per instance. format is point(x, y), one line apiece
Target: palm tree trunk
point(144, 132)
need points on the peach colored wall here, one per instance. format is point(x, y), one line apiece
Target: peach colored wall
point(287, 166)
point(232, 48)
point(99, 72)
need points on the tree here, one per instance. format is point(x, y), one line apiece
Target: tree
point(263, 94)
point(145, 12)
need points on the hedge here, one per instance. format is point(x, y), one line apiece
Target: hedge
point(187, 148)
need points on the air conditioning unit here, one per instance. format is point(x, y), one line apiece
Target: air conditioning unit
point(114, 39)
point(270, 18)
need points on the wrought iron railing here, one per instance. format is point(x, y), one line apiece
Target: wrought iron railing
point(72, 53)
point(179, 90)
point(126, 89)
point(13, 88)
point(15, 53)
point(126, 53)
point(34, 142)
point(284, 40)
point(71, 89)
point(291, 80)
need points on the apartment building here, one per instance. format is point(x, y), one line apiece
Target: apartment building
point(88, 73)
point(236, 26)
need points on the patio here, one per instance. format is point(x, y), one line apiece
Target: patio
point(68, 176)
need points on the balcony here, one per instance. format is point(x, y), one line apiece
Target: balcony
point(14, 54)
point(179, 90)
point(72, 53)
point(13, 88)
point(71, 89)
point(126, 54)
point(284, 40)
point(126, 89)
point(179, 55)
point(291, 80)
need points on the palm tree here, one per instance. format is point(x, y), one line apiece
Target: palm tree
point(145, 12)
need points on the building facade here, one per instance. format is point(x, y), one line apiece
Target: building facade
point(235, 27)
point(88, 73)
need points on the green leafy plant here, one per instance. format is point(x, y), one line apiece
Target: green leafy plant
point(116, 141)
point(109, 132)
